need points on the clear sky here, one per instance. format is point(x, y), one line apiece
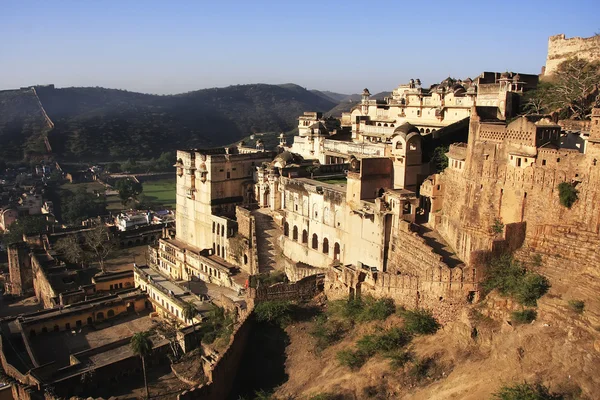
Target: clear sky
point(171, 46)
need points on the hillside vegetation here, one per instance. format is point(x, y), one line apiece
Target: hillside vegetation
point(102, 124)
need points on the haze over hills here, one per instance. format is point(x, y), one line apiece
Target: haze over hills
point(101, 124)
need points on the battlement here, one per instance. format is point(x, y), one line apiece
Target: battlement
point(560, 49)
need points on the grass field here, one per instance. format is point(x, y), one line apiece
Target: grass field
point(161, 191)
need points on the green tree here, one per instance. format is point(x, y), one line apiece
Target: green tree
point(128, 189)
point(567, 194)
point(28, 225)
point(189, 313)
point(570, 90)
point(79, 206)
point(439, 158)
point(165, 162)
point(142, 346)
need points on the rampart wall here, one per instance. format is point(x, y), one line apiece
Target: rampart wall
point(560, 49)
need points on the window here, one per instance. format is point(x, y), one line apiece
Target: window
point(315, 241)
point(305, 236)
point(558, 160)
point(295, 233)
point(228, 174)
point(325, 246)
point(543, 162)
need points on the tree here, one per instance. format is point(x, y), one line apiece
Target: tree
point(439, 158)
point(71, 249)
point(168, 329)
point(189, 313)
point(128, 189)
point(567, 194)
point(573, 90)
point(79, 206)
point(100, 245)
point(142, 346)
point(28, 225)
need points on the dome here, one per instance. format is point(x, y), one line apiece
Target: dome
point(286, 157)
point(406, 129)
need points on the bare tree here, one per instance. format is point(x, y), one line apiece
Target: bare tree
point(71, 249)
point(100, 245)
point(167, 329)
point(575, 87)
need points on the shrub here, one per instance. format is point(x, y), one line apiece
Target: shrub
point(276, 311)
point(523, 317)
point(387, 341)
point(511, 279)
point(398, 359)
point(567, 194)
point(327, 332)
point(363, 309)
point(421, 367)
point(351, 359)
point(525, 391)
point(497, 226)
point(536, 260)
point(420, 322)
point(577, 305)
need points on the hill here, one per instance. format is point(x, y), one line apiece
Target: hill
point(347, 103)
point(332, 96)
point(100, 124)
point(22, 123)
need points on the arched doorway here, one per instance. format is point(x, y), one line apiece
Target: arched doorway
point(295, 233)
point(315, 241)
point(336, 251)
point(325, 246)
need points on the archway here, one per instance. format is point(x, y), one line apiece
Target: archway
point(305, 236)
point(295, 233)
point(315, 241)
point(100, 316)
point(325, 246)
point(286, 229)
point(336, 251)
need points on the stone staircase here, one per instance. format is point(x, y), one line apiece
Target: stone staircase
point(267, 235)
point(434, 240)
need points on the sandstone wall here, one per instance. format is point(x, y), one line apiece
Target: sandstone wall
point(561, 49)
point(222, 373)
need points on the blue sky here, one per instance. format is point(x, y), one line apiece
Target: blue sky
point(344, 46)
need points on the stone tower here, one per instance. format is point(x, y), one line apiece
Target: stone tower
point(19, 268)
point(593, 146)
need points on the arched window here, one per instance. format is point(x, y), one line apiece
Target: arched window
point(295, 233)
point(381, 192)
point(214, 226)
point(286, 229)
point(99, 316)
point(315, 241)
point(325, 246)
point(305, 236)
point(398, 145)
point(218, 249)
point(110, 313)
point(223, 230)
point(245, 259)
point(336, 251)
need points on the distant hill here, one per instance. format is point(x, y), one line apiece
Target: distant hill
point(101, 124)
point(350, 101)
point(332, 96)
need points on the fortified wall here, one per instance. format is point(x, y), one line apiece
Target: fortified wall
point(510, 173)
point(561, 49)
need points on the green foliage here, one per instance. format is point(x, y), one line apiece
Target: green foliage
point(511, 279)
point(526, 391)
point(523, 317)
point(28, 225)
point(420, 322)
point(385, 342)
point(567, 194)
point(362, 309)
point(79, 206)
point(421, 368)
point(327, 331)
point(267, 279)
point(569, 91)
point(276, 311)
point(536, 260)
point(497, 226)
point(439, 158)
point(351, 358)
point(577, 305)
point(98, 123)
point(218, 324)
point(128, 189)
point(400, 358)
point(141, 344)
point(113, 167)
